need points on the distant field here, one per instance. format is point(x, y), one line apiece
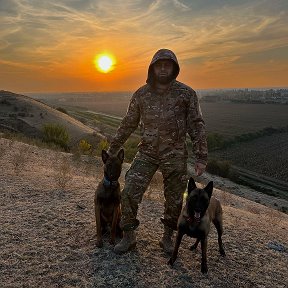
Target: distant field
point(228, 119)
point(231, 119)
point(266, 155)
point(109, 103)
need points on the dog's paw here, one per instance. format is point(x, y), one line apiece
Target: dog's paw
point(99, 243)
point(204, 268)
point(222, 252)
point(193, 247)
point(112, 241)
point(170, 262)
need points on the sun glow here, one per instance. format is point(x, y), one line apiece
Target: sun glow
point(104, 63)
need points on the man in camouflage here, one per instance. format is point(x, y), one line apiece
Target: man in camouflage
point(167, 110)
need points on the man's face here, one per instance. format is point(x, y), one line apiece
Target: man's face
point(163, 71)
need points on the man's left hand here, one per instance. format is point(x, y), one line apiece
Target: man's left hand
point(199, 168)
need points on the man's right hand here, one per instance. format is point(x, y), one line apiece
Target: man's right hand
point(199, 168)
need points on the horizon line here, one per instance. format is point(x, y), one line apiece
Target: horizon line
point(132, 91)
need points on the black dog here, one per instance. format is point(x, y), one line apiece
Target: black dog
point(107, 197)
point(200, 210)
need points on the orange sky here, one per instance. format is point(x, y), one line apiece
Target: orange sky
point(51, 45)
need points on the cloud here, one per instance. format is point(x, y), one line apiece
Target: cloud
point(181, 6)
point(214, 64)
point(9, 7)
point(232, 32)
point(56, 33)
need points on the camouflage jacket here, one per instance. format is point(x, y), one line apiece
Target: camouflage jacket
point(165, 121)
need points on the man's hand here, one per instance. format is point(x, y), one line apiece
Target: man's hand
point(199, 168)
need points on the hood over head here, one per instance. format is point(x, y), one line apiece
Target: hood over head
point(161, 55)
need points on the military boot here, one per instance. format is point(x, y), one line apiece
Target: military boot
point(166, 242)
point(127, 243)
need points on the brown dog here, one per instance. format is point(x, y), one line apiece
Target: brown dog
point(107, 197)
point(200, 210)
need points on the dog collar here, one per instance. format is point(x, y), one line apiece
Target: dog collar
point(108, 183)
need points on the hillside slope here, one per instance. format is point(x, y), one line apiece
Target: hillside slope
point(23, 114)
point(47, 234)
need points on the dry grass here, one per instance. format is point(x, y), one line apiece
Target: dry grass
point(20, 158)
point(63, 172)
point(48, 238)
point(3, 149)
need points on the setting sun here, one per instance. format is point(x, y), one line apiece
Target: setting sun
point(104, 63)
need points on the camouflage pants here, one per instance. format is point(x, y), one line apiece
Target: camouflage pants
point(137, 180)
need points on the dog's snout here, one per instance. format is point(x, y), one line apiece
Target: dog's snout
point(197, 209)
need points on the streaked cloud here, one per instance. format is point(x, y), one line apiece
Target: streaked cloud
point(62, 36)
point(181, 5)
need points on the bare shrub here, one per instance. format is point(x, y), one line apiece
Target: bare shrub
point(76, 155)
point(217, 167)
point(84, 147)
point(102, 145)
point(56, 134)
point(20, 159)
point(63, 173)
point(3, 150)
point(225, 198)
point(87, 165)
point(274, 217)
point(254, 209)
point(88, 169)
point(11, 142)
point(63, 110)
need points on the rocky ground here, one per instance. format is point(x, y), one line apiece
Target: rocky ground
point(47, 232)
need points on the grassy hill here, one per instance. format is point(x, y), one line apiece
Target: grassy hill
point(22, 114)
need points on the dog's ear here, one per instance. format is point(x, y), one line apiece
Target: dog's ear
point(191, 185)
point(105, 156)
point(209, 188)
point(121, 155)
